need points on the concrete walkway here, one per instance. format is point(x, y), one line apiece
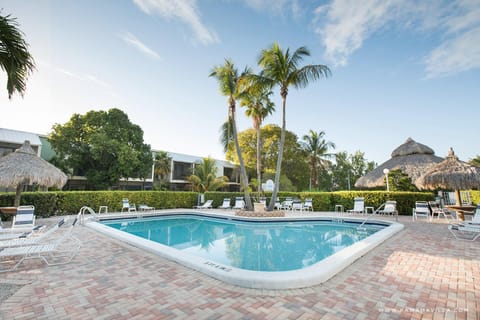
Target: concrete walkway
point(420, 273)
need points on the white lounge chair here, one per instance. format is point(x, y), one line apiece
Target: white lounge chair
point(239, 203)
point(126, 206)
point(277, 205)
point(389, 208)
point(32, 237)
point(287, 204)
point(297, 205)
point(25, 218)
point(467, 232)
point(421, 210)
point(59, 248)
point(226, 204)
point(206, 205)
point(358, 206)
point(308, 204)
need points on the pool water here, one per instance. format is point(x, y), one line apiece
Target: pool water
point(257, 246)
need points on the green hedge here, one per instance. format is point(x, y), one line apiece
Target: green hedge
point(70, 202)
point(58, 203)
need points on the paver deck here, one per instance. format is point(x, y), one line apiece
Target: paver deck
point(420, 273)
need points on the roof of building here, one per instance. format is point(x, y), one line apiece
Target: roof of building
point(19, 137)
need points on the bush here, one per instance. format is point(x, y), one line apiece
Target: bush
point(70, 202)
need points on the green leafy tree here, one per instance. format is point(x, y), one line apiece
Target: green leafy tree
point(228, 79)
point(475, 161)
point(103, 146)
point(258, 107)
point(399, 181)
point(282, 68)
point(15, 59)
point(317, 148)
point(205, 177)
point(294, 159)
point(348, 168)
point(162, 165)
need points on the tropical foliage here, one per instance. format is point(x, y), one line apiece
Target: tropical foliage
point(15, 59)
point(205, 177)
point(103, 146)
point(228, 79)
point(258, 106)
point(475, 161)
point(317, 148)
point(162, 165)
point(282, 68)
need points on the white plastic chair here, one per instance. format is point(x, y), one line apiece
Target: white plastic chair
point(226, 204)
point(239, 203)
point(127, 206)
point(206, 205)
point(60, 247)
point(358, 206)
point(25, 218)
point(421, 210)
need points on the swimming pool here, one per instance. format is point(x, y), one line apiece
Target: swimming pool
point(271, 254)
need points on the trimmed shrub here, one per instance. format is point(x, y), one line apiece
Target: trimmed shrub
point(70, 202)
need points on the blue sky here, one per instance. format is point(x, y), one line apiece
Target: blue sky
point(400, 68)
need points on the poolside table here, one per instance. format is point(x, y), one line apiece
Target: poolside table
point(462, 210)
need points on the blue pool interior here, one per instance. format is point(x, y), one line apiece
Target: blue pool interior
point(257, 246)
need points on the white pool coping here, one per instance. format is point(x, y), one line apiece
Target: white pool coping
point(309, 276)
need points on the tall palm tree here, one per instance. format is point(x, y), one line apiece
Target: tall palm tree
point(15, 59)
point(259, 106)
point(228, 79)
point(282, 69)
point(317, 149)
point(205, 177)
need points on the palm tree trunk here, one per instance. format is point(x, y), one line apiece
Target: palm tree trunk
point(259, 159)
point(280, 156)
point(243, 171)
point(18, 193)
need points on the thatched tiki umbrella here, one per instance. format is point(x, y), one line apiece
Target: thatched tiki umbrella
point(24, 167)
point(452, 174)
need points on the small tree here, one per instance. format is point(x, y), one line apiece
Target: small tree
point(162, 165)
point(205, 177)
point(103, 146)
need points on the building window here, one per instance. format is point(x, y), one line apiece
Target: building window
point(181, 170)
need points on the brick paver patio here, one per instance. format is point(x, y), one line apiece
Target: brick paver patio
point(420, 273)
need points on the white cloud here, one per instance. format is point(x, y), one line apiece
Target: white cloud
point(84, 77)
point(349, 23)
point(344, 25)
point(184, 10)
point(462, 53)
point(276, 7)
point(133, 41)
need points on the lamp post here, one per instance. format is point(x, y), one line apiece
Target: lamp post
point(386, 171)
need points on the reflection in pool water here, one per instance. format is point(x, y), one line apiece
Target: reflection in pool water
point(259, 246)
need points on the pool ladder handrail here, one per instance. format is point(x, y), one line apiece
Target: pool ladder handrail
point(82, 212)
point(361, 226)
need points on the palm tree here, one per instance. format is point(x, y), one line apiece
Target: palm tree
point(228, 80)
point(226, 135)
point(317, 149)
point(282, 69)
point(162, 166)
point(15, 59)
point(259, 106)
point(205, 177)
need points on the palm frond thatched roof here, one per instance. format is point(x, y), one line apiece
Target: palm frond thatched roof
point(412, 158)
point(451, 174)
point(24, 167)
